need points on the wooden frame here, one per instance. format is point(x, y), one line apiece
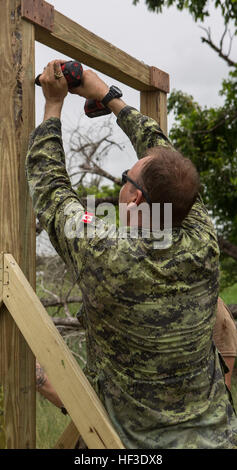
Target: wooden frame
point(18, 32)
point(17, 226)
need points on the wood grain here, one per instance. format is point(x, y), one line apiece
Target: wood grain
point(73, 40)
point(154, 104)
point(72, 386)
point(16, 217)
point(69, 437)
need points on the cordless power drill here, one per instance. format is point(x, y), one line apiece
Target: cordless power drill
point(73, 72)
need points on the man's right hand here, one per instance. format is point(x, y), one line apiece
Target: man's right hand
point(92, 87)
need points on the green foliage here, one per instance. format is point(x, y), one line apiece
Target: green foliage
point(229, 295)
point(228, 278)
point(208, 136)
point(102, 192)
point(199, 9)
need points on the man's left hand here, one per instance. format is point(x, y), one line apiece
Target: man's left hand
point(53, 83)
point(55, 88)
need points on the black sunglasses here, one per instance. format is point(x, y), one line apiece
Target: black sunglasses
point(126, 178)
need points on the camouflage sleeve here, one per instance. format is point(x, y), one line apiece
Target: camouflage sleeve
point(54, 200)
point(143, 131)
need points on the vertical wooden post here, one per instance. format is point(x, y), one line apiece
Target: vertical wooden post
point(17, 234)
point(154, 104)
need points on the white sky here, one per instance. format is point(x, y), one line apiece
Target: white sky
point(170, 41)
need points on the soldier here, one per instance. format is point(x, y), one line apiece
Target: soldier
point(148, 313)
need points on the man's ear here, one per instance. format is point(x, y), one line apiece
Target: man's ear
point(139, 197)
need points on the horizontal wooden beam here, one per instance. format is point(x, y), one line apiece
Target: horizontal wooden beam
point(72, 386)
point(71, 39)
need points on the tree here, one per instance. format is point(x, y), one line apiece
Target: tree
point(209, 135)
point(199, 9)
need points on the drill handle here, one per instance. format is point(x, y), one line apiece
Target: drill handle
point(72, 71)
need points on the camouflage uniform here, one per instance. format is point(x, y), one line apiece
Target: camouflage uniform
point(149, 314)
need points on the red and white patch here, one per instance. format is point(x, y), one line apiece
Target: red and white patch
point(87, 217)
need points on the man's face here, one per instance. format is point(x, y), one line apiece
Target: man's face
point(129, 192)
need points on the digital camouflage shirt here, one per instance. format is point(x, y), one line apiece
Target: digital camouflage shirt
point(148, 313)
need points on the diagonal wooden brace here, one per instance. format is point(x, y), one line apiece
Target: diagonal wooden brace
point(72, 386)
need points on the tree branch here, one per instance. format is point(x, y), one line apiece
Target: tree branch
point(95, 169)
point(56, 297)
point(218, 124)
point(58, 302)
point(219, 49)
point(69, 322)
point(227, 247)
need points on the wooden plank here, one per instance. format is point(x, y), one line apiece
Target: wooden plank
point(154, 104)
point(72, 386)
point(160, 79)
point(1, 343)
point(1, 286)
point(69, 437)
point(16, 221)
point(39, 12)
point(73, 40)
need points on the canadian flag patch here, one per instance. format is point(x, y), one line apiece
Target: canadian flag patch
point(87, 217)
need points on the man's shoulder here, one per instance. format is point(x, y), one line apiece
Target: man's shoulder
point(199, 219)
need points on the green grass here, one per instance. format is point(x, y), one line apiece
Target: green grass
point(50, 423)
point(229, 295)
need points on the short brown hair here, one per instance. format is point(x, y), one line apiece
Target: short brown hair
point(170, 177)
